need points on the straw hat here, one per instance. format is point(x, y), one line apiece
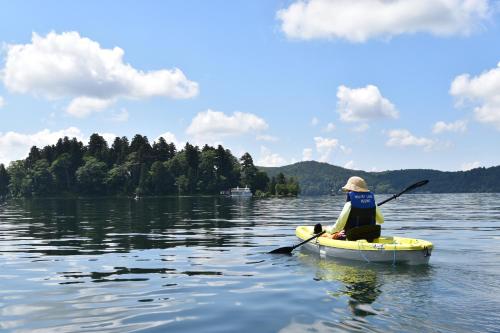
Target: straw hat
point(356, 184)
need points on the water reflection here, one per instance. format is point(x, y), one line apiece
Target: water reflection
point(101, 225)
point(359, 283)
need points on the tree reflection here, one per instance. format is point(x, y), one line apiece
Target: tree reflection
point(101, 225)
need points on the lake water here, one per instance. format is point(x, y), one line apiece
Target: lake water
point(201, 265)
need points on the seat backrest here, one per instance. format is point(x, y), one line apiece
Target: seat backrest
point(368, 232)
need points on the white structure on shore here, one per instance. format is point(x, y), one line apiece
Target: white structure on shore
point(241, 192)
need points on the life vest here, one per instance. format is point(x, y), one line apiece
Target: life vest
point(362, 210)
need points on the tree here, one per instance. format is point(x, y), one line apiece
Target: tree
point(91, 176)
point(161, 179)
point(33, 156)
point(4, 181)
point(41, 178)
point(161, 150)
point(248, 171)
point(142, 187)
point(118, 179)
point(207, 178)
point(192, 154)
point(98, 147)
point(140, 145)
point(60, 170)
point(119, 150)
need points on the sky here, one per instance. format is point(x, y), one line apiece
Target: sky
point(372, 85)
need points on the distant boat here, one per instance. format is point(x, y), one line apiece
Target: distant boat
point(241, 192)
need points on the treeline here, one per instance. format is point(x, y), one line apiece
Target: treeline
point(134, 168)
point(317, 178)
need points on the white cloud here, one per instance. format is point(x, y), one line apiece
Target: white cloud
point(307, 154)
point(470, 165)
point(212, 125)
point(483, 91)
point(269, 159)
point(360, 20)
point(81, 107)
point(314, 121)
point(15, 146)
point(330, 127)
point(403, 138)
point(349, 165)
point(2, 102)
point(324, 146)
point(363, 104)
point(266, 137)
point(121, 116)
point(457, 126)
point(67, 65)
point(171, 138)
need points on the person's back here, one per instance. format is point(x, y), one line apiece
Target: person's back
point(363, 210)
point(360, 214)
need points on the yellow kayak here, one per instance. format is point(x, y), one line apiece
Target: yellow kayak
point(388, 249)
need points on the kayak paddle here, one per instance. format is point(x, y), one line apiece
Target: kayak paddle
point(409, 188)
point(289, 249)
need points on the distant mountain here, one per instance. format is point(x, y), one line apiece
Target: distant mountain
point(316, 178)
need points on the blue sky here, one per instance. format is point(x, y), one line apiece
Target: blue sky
point(376, 86)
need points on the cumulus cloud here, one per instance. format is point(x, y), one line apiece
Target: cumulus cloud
point(307, 154)
point(314, 121)
point(360, 20)
point(363, 104)
point(2, 102)
point(403, 138)
point(470, 165)
point(269, 159)
point(15, 146)
point(325, 146)
point(483, 92)
point(81, 107)
point(68, 65)
point(212, 125)
point(457, 126)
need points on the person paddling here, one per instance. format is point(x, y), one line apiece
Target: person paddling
point(360, 215)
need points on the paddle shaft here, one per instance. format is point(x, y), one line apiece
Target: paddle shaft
point(409, 188)
point(309, 239)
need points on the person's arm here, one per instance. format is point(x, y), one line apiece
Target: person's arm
point(342, 219)
point(379, 218)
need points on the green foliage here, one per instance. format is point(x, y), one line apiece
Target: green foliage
point(91, 176)
point(317, 178)
point(129, 169)
point(4, 181)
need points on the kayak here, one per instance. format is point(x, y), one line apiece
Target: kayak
point(385, 249)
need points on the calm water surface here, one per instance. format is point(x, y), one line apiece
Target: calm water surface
point(201, 265)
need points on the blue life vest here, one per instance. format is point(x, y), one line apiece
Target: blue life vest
point(363, 209)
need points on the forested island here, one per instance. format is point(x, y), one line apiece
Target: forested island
point(135, 168)
point(316, 178)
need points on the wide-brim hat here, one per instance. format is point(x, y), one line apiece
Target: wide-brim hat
point(355, 184)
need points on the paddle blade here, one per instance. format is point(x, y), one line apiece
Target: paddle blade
point(282, 250)
point(414, 186)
